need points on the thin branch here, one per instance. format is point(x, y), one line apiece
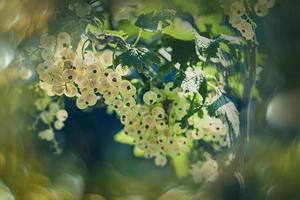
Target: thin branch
point(138, 38)
point(83, 47)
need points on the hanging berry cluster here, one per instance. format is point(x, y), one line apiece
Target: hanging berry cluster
point(186, 115)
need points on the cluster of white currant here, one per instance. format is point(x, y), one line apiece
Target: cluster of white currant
point(239, 18)
point(65, 72)
point(157, 125)
point(53, 116)
point(155, 122)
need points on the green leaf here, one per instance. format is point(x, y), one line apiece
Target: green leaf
point(181, 30)
point(214, 19)
point(203, 90)
point(138, 57)
point(205, 47)
point(152, 20)
point(210, 48)
point(214, 106)
point(182, 51)
point(181, 165)
point(121, 137)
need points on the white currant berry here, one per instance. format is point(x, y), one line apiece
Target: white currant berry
point(158, 112)
point(150, 98)
point(90, 99)
point(161, 125)
point(113, 78)
point(62, 115)
point(63, 39)
point(123, 71)
point(58, 90)
point(261, 9)
point(237, 8)
point(160, 161)
point(68, 64)
point(223, 141)
point(47, 54)
point(246, 29)
point(69, 75)
point(177, 129)
point(106, 58)
point(47, 41)
point(47, 135)
point(80, 103)
point(93, 70)
point(126, 88)
point(71, 90)
point(58, 125)
point(82, 81)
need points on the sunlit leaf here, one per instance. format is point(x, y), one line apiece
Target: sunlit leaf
point(223, 105)
point(138, 57)
point(194, 81)
point(181, 30)
point(152, 20)
point(209, 48)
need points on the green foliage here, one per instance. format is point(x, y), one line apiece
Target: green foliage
point(138, 57)
point(182, 51)
point(180, 30)
point(215, 105)
point(203, 91)
point(154, 21)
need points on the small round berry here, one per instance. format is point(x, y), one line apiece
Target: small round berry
point(63, 39)
point(58, 90)
point(90, 99)
point(80, 103)
point(69, 75)
point(71, 90)
point(58, 125)
point(160, 161)
point(150, 98)
point(62, 115)
point(113, 78)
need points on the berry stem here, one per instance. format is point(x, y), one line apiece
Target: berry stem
point(138, 38)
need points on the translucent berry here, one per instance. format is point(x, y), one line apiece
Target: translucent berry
point(150, 98)
point(93, 70)
point(62, 115)
point(113, 78)
point(158, 112)
point(80, 103)
point(71, 90)
point(63, 39)
point(58, 124)
point(160, 161)
point(58, 90)
point(237, 9)
point(90, 99)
